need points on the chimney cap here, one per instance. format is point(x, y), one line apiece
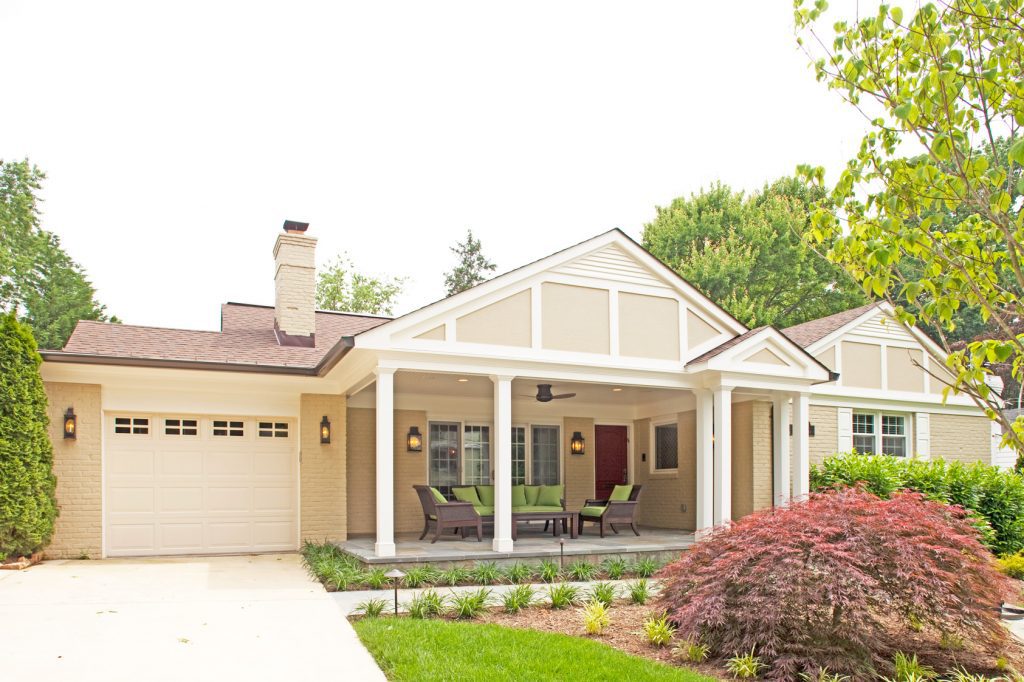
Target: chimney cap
point(295, 227)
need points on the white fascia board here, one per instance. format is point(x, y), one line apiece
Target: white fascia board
point(803, 367)
point(896, 401)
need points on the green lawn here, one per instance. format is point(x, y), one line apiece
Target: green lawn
point(415, 650)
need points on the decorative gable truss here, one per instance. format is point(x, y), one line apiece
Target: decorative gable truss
point(605, 301)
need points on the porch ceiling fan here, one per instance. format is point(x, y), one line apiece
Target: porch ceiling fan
point(544, 394)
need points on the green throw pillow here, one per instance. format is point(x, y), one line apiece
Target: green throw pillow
point(621, 493)
point(532, 493)
point(467, 494)
point(550, 495)
point(441, 499)
point(486, 493)
point(519, 496)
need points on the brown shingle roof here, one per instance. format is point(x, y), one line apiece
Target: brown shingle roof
point(246, 338)
point(808, 332)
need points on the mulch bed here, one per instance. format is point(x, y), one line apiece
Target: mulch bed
point(21, 563)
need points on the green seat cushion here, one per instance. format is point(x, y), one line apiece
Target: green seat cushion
point(483, 510)
point(538, 508)
point(593, 512)
point(486, 493)
point(532, 493)
point(621, 493)
point(518, 496)
point(550, 495)
point(467, 494)
point(441, 499)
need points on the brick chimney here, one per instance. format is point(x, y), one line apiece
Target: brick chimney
point(295, 285)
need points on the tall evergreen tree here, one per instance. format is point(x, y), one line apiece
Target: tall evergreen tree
point(38, 279)
point(472, 268)
point(28, 506)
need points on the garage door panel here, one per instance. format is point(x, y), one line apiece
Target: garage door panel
point(181, 499)
point(201, 494)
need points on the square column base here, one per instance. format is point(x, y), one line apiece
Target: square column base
point(384, 549)
point(501, 544)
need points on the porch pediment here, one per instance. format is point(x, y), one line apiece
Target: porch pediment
point(762, 351)
point(604, 300)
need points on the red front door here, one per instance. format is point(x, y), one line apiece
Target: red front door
point(609, 459)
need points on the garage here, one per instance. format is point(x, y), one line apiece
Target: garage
point(199, 484)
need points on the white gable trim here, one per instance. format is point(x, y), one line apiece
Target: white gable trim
point(800, 364)
point(448, 309)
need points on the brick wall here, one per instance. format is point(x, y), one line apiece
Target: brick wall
point(322, 469)
point(742, 459)
point(825, 441)
point(410, 469)
point(295, 284)
point(579, 469)
point(761, 430)
point(668, 500)
point(77, 465)
point(962, 438)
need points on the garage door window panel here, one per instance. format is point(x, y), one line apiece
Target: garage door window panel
point(136, 426)
point(271, 429)
point(228, 428)
point(178, 426)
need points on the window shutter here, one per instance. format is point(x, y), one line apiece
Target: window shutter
point(845, 429)
point(922, 435)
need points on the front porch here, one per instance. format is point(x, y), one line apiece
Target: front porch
point(532, 546)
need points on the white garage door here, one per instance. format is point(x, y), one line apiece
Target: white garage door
point(189, 484)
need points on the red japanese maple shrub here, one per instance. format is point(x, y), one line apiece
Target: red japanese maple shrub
point(833, 581)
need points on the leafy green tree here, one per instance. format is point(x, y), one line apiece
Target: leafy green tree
point(28, 506)
point(746, 253)
point(340, 287)
point(942, 84)
point(38, 279)
point(472, 267)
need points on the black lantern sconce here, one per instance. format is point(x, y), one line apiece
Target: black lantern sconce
point(325, 431)
point(810, 430)
point(70, 424)
point(577, 445)
point(414, 441)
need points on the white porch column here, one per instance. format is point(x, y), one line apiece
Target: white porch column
point(502, 464)
point(705, 461)
point(385, 545)
point(723, 455)
point(780, 449)
point(801, 445)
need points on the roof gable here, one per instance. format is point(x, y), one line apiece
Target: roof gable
point(764, 350)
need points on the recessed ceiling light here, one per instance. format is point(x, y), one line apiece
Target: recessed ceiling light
point(617, 389)
point(462, 381)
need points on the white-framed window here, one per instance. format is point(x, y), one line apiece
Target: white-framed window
point(476, 454)
point(545, 451)
point(443, 460)
point(459, 453)
point(137, 426)
point(181, 426)
point(265, 429)
point(519, 455)
point(666, 447)
point(882, 433)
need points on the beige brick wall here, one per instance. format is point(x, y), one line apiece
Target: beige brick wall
point(322, 470)
point(295, 284)
point(761, 478)
point(742, 459)
point(826, 432)
point(410, 469)
point(961, 438)
point(668, 500)
point(579, 469)
point(77, 465)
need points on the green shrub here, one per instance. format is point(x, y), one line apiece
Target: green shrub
point(417, 576)
point(453, 576)
point(375, 578)
point(603, 592)
point(1012, 565)
point(563, 595)
point(615, 567)
point(689, 651)
point(658, 630)
point(470, 604)
point(486, 573)
point(518, 573)
point(518, 598)
point(427, 604)
point(595, 618)
point(372, 608)
point(645, 567)
point(28, 504)
point(549, 571)
point(744, 666)
point(994, 494)
point(823, 675)
point(639, 591)
point(909, 669)
point(581, 570)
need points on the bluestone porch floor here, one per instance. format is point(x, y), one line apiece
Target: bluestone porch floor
point(532, 543)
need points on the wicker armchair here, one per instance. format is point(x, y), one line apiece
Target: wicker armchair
point(611, 512)
point(456, 515)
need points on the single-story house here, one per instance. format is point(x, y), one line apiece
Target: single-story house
point(591, 367)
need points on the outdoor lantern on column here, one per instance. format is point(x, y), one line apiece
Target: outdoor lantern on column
point(414, 441)
point(70, 424)
point(577, 445)
point(325, 431)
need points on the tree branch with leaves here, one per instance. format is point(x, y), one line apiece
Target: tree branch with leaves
point(339, 286)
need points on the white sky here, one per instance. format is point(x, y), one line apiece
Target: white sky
point(177, 137)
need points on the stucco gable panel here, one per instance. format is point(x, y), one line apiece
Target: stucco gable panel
point(503, 323)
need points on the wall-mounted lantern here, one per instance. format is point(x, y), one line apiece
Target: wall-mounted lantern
point(414, 441)
point(577, 445)
point(70, 424)
point(810, 430)
point(325, 431)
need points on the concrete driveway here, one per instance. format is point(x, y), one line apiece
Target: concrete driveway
point(214, 618)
